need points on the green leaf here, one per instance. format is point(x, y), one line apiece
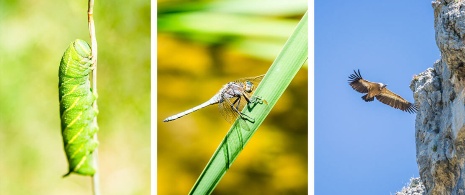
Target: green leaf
point(282, 71)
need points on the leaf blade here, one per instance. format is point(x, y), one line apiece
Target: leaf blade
point(282, 71)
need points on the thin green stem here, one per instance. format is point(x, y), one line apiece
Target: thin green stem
point(93, 41)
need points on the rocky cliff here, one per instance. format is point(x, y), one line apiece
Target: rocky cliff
point(415, 187)
point(439, 93)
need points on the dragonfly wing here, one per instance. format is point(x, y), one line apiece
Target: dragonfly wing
point(228, 108)
point(255, 80)
point(228, 112)
point(244, 125)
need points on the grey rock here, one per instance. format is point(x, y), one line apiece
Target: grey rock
point(415, 187)
point(439, 92)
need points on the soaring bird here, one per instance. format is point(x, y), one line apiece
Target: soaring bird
point(380, 92)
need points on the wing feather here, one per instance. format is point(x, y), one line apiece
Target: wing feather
point(359, 84)
point(395, 101)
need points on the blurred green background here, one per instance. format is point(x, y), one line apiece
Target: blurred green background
point(202, 45)
point(33, 37)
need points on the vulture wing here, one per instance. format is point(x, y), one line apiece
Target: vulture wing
point(359, 84)
point(395, 101)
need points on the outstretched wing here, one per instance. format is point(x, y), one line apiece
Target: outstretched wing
point(395, 101)
point(359, 84)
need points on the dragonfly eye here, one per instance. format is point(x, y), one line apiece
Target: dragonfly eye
point(248, 86)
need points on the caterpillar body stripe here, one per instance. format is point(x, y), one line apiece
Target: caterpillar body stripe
point(76, 111)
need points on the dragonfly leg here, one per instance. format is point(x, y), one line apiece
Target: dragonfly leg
point(246, 97)
point(246, 117)
point(235, 107)
point(254, 101)
point(258, 99)
point(237, 102)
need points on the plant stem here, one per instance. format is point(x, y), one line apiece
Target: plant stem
point(93, 41)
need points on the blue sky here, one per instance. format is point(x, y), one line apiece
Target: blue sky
point(367, 148)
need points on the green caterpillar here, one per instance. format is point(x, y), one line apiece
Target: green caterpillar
point(76, 111)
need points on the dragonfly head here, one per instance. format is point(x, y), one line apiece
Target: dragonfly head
point(248, 86)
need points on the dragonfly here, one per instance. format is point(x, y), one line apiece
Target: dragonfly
point(231, 99)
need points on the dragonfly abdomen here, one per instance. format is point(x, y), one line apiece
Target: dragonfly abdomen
point(213, 100)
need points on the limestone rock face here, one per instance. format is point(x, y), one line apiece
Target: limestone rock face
point(439, 93)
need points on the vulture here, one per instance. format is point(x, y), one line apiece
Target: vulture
point(380, 92)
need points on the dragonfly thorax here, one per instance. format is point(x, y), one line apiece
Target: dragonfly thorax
point(231, 90)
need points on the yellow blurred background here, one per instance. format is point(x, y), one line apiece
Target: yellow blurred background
point(201, 47)
point(33, 37)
